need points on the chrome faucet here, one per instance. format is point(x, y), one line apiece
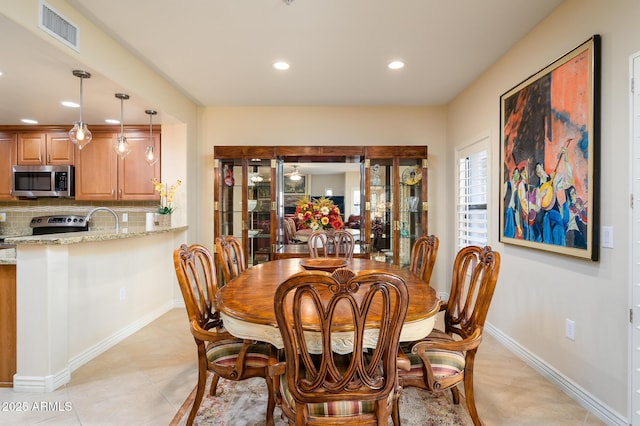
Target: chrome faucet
point(106, 209)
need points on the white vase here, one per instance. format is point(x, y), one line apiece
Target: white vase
point(162, 220)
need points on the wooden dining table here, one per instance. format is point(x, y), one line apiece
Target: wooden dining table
point(246, 305)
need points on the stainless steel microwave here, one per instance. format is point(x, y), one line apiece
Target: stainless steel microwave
point(43, 181)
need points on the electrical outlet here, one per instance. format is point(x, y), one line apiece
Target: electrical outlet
point(570, 329)
point(3, 217)
point(123, 293)
point(125, 217)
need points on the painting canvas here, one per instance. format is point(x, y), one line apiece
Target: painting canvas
point(549, 150)
point(295, 186)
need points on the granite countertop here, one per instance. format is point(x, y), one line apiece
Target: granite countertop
point(89, 236)
point(7, 254)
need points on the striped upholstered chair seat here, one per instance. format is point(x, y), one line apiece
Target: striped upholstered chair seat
point(342, 409)
point(444, 363)
point(226, 352)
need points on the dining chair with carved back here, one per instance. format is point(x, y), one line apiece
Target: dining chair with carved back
point(446, 358)
point(338, 243)
point(291, 232)
point(325, 387)
point(230, 256)
point(219, 352)
point(423, 256)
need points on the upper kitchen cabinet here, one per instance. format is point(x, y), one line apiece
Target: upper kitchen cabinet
point(102, 175)
point(39, 148)
point(7, 159)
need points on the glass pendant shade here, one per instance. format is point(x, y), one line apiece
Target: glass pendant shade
point(120, 145)
point(80, 134)
point(150, 156)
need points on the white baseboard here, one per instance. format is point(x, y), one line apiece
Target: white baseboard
point(582, 397)
point(41, 383)
point(53, 382)
point(92, 352)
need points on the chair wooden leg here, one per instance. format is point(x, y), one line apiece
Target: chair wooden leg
point(202, 382)
point(214, 384)
point(271, 402)
point(455, 395)
point(395, 411)
point(469, 396)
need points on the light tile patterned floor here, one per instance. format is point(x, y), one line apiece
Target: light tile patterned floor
point(144, 380)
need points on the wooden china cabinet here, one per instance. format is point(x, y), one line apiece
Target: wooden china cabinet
point(250, 196)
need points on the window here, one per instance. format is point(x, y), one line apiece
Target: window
point(471, 197)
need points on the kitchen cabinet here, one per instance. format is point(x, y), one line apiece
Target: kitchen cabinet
point(102, 175)
point(396, 209)
point(35, 149)
point(7, 160)
point(387, 190)
point(7, 324)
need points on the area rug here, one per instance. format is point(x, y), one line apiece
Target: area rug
point(245, 404)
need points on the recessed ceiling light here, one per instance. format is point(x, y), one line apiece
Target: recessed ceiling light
point(281, 65)
point(0, 73)
point(29, 121)
point(396, 65)
point(112, 121)
point(70, 104)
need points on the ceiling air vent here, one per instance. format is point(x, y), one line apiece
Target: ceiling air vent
point(58, 26)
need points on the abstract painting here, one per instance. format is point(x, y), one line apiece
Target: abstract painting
point(549, 148)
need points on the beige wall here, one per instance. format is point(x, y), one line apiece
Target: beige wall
point(538, 291)
point(319, 126)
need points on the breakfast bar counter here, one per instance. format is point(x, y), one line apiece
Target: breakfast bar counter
point(80, 293)
point(90, 236)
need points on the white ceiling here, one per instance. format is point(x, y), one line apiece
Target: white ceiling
point(220, 52)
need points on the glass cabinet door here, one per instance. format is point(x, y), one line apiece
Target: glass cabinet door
point(259, 210)
point(410, 206)
point(397, 208)
point(381, 214)
point(230, 203)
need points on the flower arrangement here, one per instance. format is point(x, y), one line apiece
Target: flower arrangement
point(319, 214)
point(166, 196)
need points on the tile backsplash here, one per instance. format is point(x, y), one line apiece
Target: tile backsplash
point(19, 213)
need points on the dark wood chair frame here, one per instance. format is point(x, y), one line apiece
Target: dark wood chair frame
point(315, 378)
point(196, 275)
point(231, 256)
point(342, 241)
point(475, 273)
point(423, 256)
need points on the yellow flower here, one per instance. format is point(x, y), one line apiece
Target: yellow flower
point(166, 197)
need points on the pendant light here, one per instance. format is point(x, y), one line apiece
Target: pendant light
point(80, 134)
point(121, 146)
point(150, 156)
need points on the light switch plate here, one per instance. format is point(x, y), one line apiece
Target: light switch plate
point(606, 236)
